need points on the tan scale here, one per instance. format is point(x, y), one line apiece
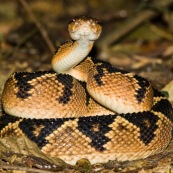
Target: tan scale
point(113, 97)
point(127, 144)
point(68, 132)
point(46, 91)
point(12, 129)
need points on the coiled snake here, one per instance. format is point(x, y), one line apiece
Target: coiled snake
point(87, 108)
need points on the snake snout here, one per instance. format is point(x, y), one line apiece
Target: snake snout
point(84, 28)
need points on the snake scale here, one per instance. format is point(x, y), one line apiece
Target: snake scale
point(86, 108)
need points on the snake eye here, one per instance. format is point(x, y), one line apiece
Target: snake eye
point(72, 21)
point(98, 22)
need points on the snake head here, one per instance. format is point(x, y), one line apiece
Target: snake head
point(84, 28)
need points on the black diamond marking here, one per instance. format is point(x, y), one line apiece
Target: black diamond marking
point(100, 71)
point(165, 107)
point(67, 81)
point(5, 119)
point(144, 84)
point(157, 93)
point(88, 97)
point(49, 125)
point(22, 82)
point(146, 121)
point(86, 125)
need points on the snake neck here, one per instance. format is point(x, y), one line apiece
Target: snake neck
point(70, 54)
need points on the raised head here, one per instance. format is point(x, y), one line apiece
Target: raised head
point(84, 28)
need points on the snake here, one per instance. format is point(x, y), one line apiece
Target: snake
point(85, 107)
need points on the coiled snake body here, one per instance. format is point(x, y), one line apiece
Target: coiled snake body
point(87, 108)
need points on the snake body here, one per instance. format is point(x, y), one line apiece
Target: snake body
point(87, 108)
